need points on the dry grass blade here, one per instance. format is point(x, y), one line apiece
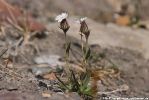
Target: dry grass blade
point(120, 89)
point(75, 80)
point(61, 82)
point(3, 52)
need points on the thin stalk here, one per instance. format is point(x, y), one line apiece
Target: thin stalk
point(82, 42)
point(82, 46)
point(66, 56)
point(86, 43)
point(86, 47)
point(65, 38)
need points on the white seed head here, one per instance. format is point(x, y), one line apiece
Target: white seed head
point(62, 16)
point(81, 20)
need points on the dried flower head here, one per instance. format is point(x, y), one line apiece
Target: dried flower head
point(83, 19)
point(62, 19)
point(84, 28)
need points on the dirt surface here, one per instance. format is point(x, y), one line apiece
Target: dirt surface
point(133, 67)
point(19, 82)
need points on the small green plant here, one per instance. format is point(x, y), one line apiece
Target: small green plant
point(77, 82)
point(85, 81)
point(65, 27)
point(79, 85)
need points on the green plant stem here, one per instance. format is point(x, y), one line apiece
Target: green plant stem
point(86, 43)
point(66, 56)
point(86, 50)
point(65, 37)
point(82, 46)
point(84, 61)
point(82, 43)
point(67, 66)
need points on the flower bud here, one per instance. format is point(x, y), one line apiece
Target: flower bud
point(84, 28)
point(63, 22)
point(64, 25)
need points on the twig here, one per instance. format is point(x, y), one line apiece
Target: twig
point(122, 88)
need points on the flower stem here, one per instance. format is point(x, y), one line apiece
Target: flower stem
point(66, 56)
point(82, 45)
point(86, 43)
point(65, 38)
point(83, 53)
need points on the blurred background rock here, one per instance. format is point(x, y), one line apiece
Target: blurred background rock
point(101, 10)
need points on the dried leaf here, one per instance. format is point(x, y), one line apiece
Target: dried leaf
point(123, 20)
point(50, 76)
point(46, 95)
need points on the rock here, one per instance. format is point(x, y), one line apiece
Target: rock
point(47, 64)
point(52, 60)
point(43, 69)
